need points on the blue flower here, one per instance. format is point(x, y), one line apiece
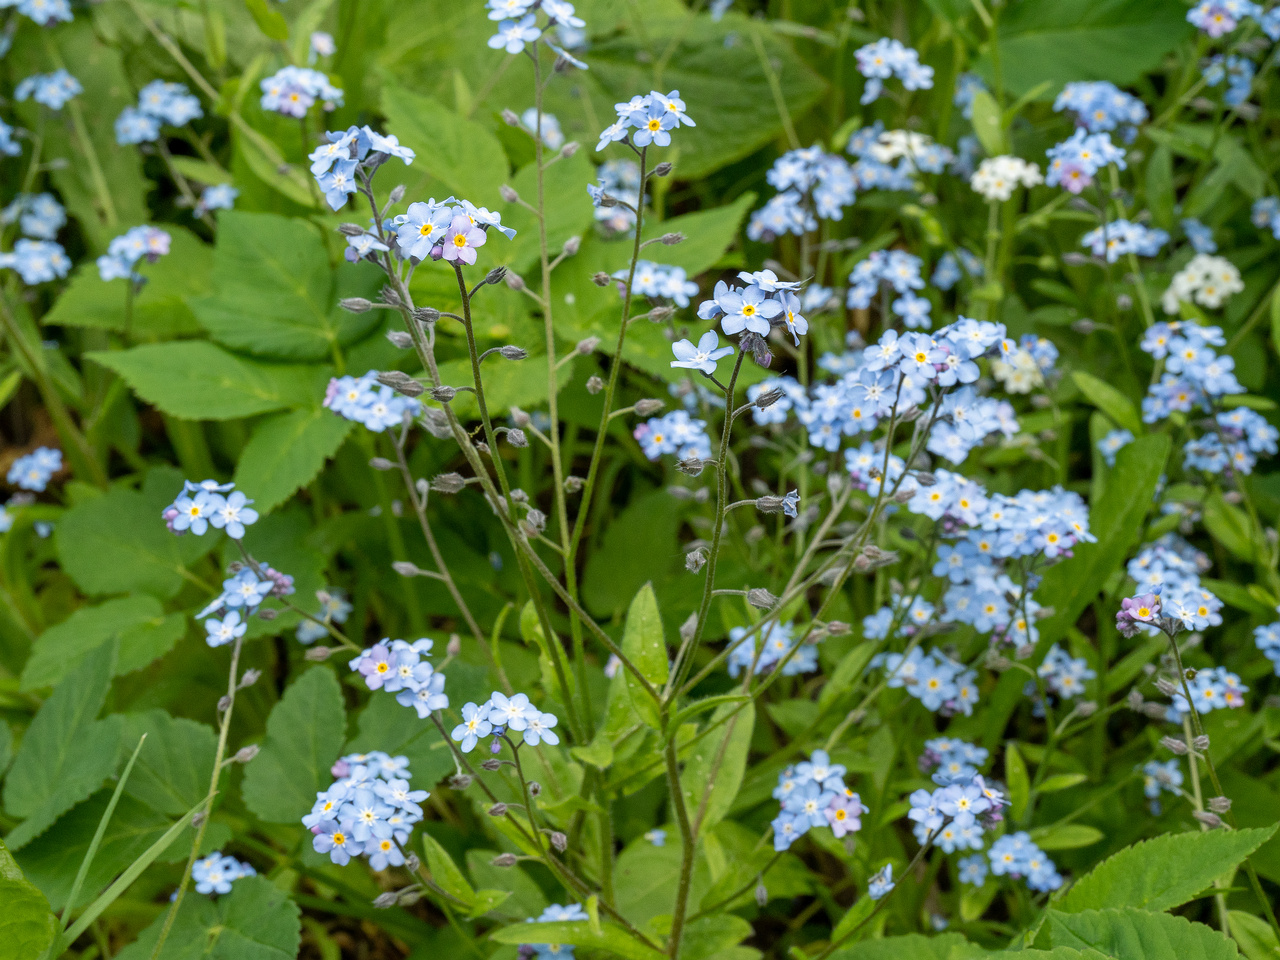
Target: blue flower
point(33, 471)
point(512, 35)
point(233, 514)
point(54, 90)
point(703, 357)
point(475, 724)
point(880, 884)
point(538, 729)
point(245, 589)
point(224, 631)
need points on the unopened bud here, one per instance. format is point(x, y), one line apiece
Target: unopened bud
point(495, 275)
point(318, 654)
point(535, 788)
point(224, 703)
point(385, 901)
point(1174, 745)
point(1084, 326)
point(661, 170)
point(448, 482)
point(351, 229)
point(511, 352)
point(400, 339)
point(1135, 700)
point(454, 646)
point(1166, 686)
point(411, 861)
point(355, 304)
point(671, 239)
point(587, 346)
point(517, 437)
point(426, 314)
point(661, 314)
point(594, 384)
point(1219, 804)
point(381, 463)
point(648, 406)
point(559, 840)
point(694, 560)
point(249, 679)
point(508, 194)
point(515, 281)
point(1086, 708)
point(760, 598)
point(1074, 259)
point(504, 860)
point(601, 279)
point(406, 568)
point(572, 245)
point(692, 466)
point(459, 781)
point(762, 894)
point(444, 393)
point(491, 765)
point(1201, 743)
point(902, 496)
point(396, 194)
point(509, 118)
point(925, 478)
point(410, 895)
point(769, 398)
point(570, 148)
point(1210, 820)
point(573, 484)
point(245, 754)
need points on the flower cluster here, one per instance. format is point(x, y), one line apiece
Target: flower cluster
point(1218, 17)
point(997, 177)
point(219, 196)
point(658, 281)
point(334, 608)
point(216, 873)
point(952, 267)
point(38, 215)
point(1015, 855)
point(675, 433)
point(518, 25)
point(893, 159)
point(1158, 778)
point(124, 252)
point(158, 102)
point(555, 913)
point(1121, 237)
point(203, 504)
point(366, 401)
point(37, 261)
point(1199, 235)
point(449, 230)
point(1113, 443)
point(44, 12)
point(54, 90)
point(1024, 367)
point(501, 714)
point(1267, 639)
point(1063, 675)
point(1237, 72)
point(938, 682)
point(34, 470)
point(765, 302)
point(1074, 162)
point(399, 667)
point(1265, 215)
point(645, 120)
point(1207, 280)
point(813, 795)
point(616, 195)
point(886, 58)
point(901, 272)
point(292, 91)
point(369, 810)
point(335, 161)
point(1100, 106)
point(775, 645)
point(810, 182)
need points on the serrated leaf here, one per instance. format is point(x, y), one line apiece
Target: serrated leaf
point(715, 765)
point(1165, 872)
point(1130, 934)
point(644, 645)
point(66, 754)
point(27, 925)
point(255, 921)
point(915, 946)
point(196, 380)
point(305, 732)
point(1109, 400)
point(172, 774)
point(132, 620)
point(613, 940)
point(286, 452)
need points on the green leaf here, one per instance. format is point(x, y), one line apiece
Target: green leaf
point(1133, 934)
point(286, 452)
point(1068, 836)
point(1254, 935)
point(66, 754)
point(255, 921)
point(1165, 872)
point(986, 124)
point(27, 925)
point(462, 156)
point(1015, 774)
point(139, 622)
point(172, 774)
point(196, 380)
point(1229, 525)
point(849, 669)
point(708, 234)
point(715, 766)
point(644, 645)
point(638, 546)
point(610, 939)
point(914, 946)
point(113, 544)
point(274, 292)
point(853, 917)
point(305, 732)
point(1062, 781)
point(1275, 319)
point(1110, 401)
point(270, 22)
point(445, 872)
point(1160, 196)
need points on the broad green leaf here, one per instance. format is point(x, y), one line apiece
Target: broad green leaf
point(644, 645)
point(305, 732)
point(286, 452)
point(445, 872)
point(1275, 319)
point(172, 773)
point(853, 918)
point(849, 669)
point(115, 544)
point(385, 725)
point(196, 380)
point(1109, 400)
point(708, 234)
point(1062, 781)
point(569, 213)
point(527, 898)
point(1068, 836)
point(1229, 525)
point(1015, 774)
point(66, 754)
point(27, 925)
point(1133, 934)
point(269, 21)
point(611, 940)
point(274, 290)
point(715, 765)
point(461, 156)
point(986, 124)
point(1160, 196)
point(639, 546)
point(255, 921)
point(138, 622)
point(716, 936)
point(159, 309)
point(644, 880)
point(1256, 939)
point(913, 946)
point(1165, 872)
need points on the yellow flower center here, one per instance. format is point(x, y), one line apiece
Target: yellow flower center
point(459, 241)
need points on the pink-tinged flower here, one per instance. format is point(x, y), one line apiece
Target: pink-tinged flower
point(1136, 610)
point(1074, 178)
point(461, 240)
point(845, 813)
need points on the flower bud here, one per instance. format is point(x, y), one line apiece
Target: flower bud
point(245, 754)
point(444, 393)
point(249, 679)
point(925, 478)
point(760, 598)
point(587, 347)
point(381, 463)
point(573, 484)
point(1210, 820)
point(662, 170)
point(648, 406)
point(559, 840)
point(769, 398)
point(406, 568)
point(762, 894)
point(572, 245)
point(224, 703)
point(661, 314)
point(318, 654)
point(491, 765)
point(448, 483)
point(1219, 804)
point(511, 352)
point(355, 304)
point(515, 281)
point(517, 438)
point(838, 628)
point(601, 279)
point(1134, 700)
point(692, 466)
point(535, 788)
point(902, 496)
point(504, 860)
point(570, 148)
point(396, 194)
point(1086, 708)
point(400, 339)
point(1201, 743)
point(1084, 326)
point(594, 384)
point(454, 646)
point(459, 781)
point(508, 194)
point(1174, 746)
point(498, 810)
point(671, 239)
point(1166, 686)
point(351, 229)
point(426, 314)
point(695, 559)
point(495, 275)
point(385, 901)
point(509, 118)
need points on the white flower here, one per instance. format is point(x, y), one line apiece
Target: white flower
point(1208, 280)
point(997, 177)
